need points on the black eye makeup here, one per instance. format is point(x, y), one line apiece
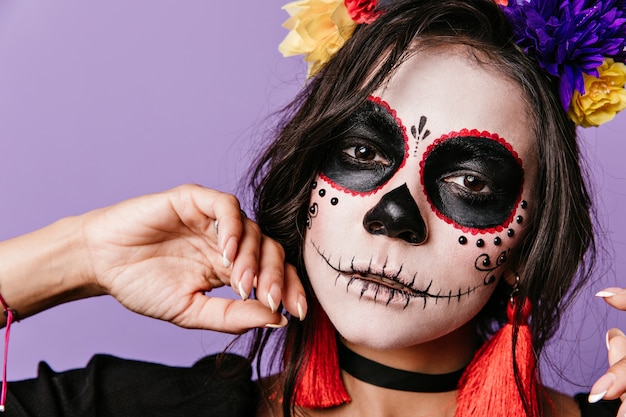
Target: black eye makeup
point(473, 179)
point(369, 148)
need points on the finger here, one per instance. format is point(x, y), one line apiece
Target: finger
point(616, 297)
point(271, 273)
point(215, 206)
point(247, 262)
point(616, 344)
point(227, 315)
point(294, 298)
point(613, 383)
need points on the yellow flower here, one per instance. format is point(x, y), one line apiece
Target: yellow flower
point(604, 95)
point(318, 29)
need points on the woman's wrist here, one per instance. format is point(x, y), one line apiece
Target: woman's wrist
point(46, 267)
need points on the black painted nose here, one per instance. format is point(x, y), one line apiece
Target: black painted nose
point(396, 215)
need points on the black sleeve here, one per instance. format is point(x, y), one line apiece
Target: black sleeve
point(109, 386)
point(600, 409)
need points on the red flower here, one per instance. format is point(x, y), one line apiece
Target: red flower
point(362, 11)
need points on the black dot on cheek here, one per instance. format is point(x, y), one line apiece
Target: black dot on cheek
point(510, 233)
point(313, 209)
point(497, 241)
point(314, 185)
point(480, 243)
point(519, 219)
point(334, 201)
point(524, 204)
point(462, 240)
point(502, 259)
point(486, 262)
point(322, 192)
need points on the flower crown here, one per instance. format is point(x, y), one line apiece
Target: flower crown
point(582, 43)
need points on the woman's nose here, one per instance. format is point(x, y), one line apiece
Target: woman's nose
point(396, 215)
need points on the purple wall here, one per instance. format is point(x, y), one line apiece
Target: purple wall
point(101, 101)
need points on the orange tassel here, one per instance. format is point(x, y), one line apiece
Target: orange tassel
point(320, 384)
point(488, 386)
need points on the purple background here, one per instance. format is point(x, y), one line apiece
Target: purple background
point(101, 101)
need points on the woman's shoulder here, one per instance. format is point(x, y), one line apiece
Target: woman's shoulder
point(218, 385)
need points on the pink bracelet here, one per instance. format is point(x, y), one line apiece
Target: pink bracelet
point(11, 316)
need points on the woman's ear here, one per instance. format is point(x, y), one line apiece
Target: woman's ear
point(512, 276)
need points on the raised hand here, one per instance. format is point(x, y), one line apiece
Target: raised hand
point(612, 384)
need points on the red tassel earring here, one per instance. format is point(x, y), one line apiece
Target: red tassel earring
point(319, 384)
point(489, 386)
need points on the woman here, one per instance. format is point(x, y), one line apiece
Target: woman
point(422, 206)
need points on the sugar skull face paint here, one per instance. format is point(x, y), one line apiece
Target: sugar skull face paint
point(370, 148)
point(408, 234)
point(472, 179)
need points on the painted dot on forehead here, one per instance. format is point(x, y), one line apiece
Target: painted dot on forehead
point(473, 180)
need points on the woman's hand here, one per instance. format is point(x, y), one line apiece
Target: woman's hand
point(159, 254)
point(612, 384)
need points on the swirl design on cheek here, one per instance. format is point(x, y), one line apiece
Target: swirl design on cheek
point(369, 148)
point(473, 180)
point(483, 263)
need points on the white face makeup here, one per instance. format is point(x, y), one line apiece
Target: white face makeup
point(422, 202)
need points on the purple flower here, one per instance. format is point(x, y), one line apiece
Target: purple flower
point(569, 37)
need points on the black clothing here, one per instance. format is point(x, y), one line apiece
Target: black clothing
point(111, 386)
point(216, 386)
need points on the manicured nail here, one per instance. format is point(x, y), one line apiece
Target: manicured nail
point(272, 303)
point(604, 294)
point(594, 398)
point(227, 262)
point(230, 249)
point(600, 388)
point(283, 322)
point(608, 346)
point(242, 292)
point(301, 310)
point(246, 280)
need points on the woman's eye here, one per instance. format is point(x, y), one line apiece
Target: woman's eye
point(470, 182)
point(364, 153)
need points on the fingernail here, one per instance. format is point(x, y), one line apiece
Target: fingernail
point(301, 310)
point(227, 262)
point(283, 322)
point(244, 283)
point(604, 294)
point(230, 249)
point(601, 387)
point(608, 346)
point(242, 293)
point(272, 303)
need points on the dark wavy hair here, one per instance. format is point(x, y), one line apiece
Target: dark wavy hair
point(556, 256)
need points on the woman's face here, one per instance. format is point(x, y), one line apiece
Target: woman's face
point(422, 203)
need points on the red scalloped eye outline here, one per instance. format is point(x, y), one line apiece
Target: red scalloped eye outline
point(393, 114)
point(471, 133)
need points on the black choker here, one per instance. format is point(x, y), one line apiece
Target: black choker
point(386, 377)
